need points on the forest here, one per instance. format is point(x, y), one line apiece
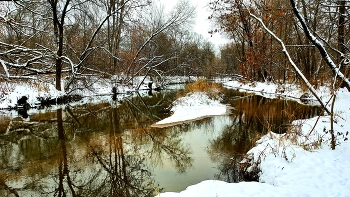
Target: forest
point(74, 40)
point(315, 34)
point(274, 41)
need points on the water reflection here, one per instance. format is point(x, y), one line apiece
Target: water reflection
point(92, 150)
point(257, 113)
point(109, 149)
point(252, 117)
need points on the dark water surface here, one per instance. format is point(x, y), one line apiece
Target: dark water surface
point(109, 149)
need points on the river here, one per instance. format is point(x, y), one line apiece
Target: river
point(109, 149)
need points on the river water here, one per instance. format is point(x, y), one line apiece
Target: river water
point(109, 149)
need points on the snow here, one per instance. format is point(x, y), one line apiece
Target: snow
point(191, 107)
point(100, 89)
point(220, 188)
point(298, 163)
point(13, 92)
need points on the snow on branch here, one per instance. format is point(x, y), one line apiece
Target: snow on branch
point(320, 47)
point(14, 57)
point(71, 64)
point(3, 63)
point(5, 68)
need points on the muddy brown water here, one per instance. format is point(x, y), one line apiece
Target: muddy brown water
point(109, 149)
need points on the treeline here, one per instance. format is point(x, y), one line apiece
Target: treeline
point(82, 38)
point(126, 38)
point(255, 54)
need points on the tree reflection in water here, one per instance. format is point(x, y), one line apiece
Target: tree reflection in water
point(91, 150)
point(125, 173)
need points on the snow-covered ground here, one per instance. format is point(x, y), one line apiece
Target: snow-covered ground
point(11, 92)
point(300, 163)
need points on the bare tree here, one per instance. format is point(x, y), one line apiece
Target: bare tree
point(325, 55)
point(180, 15)
point(53, 53)
point(76, 37)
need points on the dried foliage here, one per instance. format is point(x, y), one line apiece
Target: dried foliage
point(256, 56)
point(213, 90)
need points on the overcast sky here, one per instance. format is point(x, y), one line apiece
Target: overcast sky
point(202, 25)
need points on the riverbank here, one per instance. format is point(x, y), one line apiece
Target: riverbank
point(42, 92)
point(297, 163)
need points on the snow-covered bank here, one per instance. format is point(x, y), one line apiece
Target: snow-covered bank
point(11, 92)
point(271, 90)
point(192, 107)
point(299, 163)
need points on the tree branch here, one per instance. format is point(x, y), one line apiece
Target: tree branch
point(320, 47)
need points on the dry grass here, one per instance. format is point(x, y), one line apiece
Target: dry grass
point(41, 87)
point(213, 90)
point(9, 86)
point(5, 88)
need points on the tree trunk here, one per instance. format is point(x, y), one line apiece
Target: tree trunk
point(58, 24)
point(341, 26)
point(58, 73)
point(341, 36)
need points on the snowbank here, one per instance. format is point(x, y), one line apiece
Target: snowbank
point(192, 107)
point(214, 188)
point(271, 90)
